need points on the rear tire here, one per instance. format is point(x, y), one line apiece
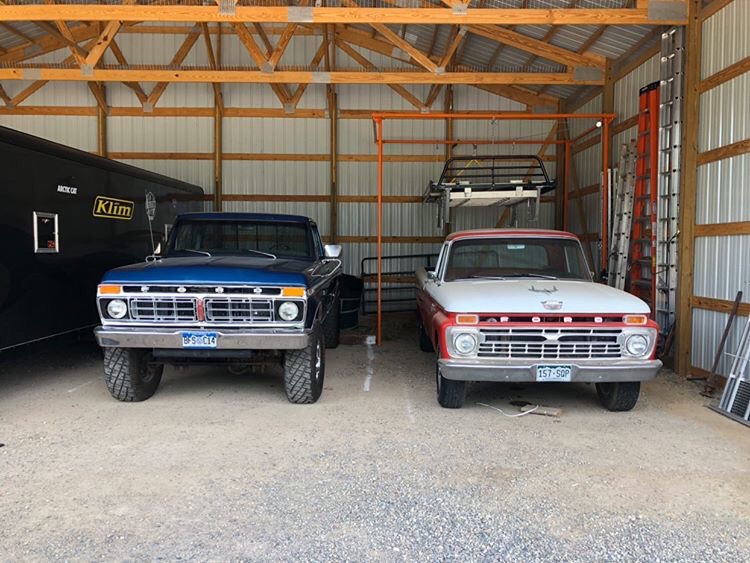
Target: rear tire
point(129, 375)
point(618, 397)
point(304, 371)
point(451, 394)
point(425, 344)
point(332, 325)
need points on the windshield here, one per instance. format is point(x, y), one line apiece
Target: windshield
point(501, 258)
point(262, 239)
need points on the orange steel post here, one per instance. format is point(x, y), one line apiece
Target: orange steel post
point(566, 183)
point(605, 190)
point(379, 333)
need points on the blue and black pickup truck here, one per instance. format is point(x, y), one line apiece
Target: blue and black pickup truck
point(237, 288)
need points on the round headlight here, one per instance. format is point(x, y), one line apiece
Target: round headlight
point(636, 345)
point(117, 308)
point(465, 343)
point(288, 311)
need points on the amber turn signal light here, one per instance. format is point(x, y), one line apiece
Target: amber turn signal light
point(635, 319)
point(110, 289)
point(467, 319)
point(293, 292)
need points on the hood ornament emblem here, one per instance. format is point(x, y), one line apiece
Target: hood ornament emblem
point(181, 289)
point(257, 290)
point(547, 290)
point(552, 305)
point(219, 290)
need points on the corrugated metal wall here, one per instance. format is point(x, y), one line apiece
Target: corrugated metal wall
point(722, 263)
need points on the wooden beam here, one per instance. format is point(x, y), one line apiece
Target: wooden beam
point(246, 38)
point(519, 94)
point(723, 229)
point(218, 98)
point(250, 76)
point(714, 6)
point(17, 32)
point(338, 15)
point(452, 47)
point(688, 188)
point(26, 93)
point(727, 151)
point(101, 129)
point(367, 65)
point(537, 47)
point(102, 43)
point(732, 71)
point(627, 64)
point(176, 61)
point(418, 56)
point(718, 305)
point(316, 60)
point(4, 95)
point(97, 90)
point(134, 86)
point(281, 46)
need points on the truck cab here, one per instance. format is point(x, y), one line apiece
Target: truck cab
point(238, 288)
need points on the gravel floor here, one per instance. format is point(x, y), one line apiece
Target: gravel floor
point(219, 466)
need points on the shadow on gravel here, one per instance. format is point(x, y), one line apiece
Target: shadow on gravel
point(575, 396)
point(200, 380)
point(47, 361)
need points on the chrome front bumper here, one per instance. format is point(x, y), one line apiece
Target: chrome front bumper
point(228, 339)
point(590, 371)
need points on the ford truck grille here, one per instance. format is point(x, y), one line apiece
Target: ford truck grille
point(163, 309)
point(550, 343)
point(225, 310)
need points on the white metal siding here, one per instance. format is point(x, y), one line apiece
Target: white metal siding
point(722, 263)
point(626, 89)
point(725, 38)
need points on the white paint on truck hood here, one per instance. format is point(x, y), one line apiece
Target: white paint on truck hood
point(529, 295)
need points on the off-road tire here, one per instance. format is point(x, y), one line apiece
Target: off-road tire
point(620, 396)
point(425, 344)
point(332, 325)
point(129, 375)
point(304, 371)
point(451, 394)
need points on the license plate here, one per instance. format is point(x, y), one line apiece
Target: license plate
point(554, 373)
point(199, 339)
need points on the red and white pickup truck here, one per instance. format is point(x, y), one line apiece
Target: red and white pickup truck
point(521, 305)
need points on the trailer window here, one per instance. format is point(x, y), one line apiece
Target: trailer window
point(46, 238)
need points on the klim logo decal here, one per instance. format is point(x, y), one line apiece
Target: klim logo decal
point(110, 208)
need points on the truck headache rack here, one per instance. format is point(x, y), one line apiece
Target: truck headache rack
point(481, 181)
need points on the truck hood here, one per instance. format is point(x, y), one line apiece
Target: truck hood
point(228, 270)
point(531, 296)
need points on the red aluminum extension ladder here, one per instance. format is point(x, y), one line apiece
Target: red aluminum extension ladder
point(643, 239)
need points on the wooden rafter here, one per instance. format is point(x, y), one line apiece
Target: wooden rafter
point(537, 47)
point(517, 93)
point(26, 93)
point(102, 43)
point(369, 66)
point(251, 76)
point(281, 46)
point(407, 47)
point(214, 65)
point(316, 60)
point(134, 86)
point(16, 32)
point(46, 44)
point(337, 15)
point(261, 59)
point(176, 61)
point(543, 149)
point(4, 95)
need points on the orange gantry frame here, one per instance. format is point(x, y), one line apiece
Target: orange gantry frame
point(605, 120)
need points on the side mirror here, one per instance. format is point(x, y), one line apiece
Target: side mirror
point(431, 275)
point(332, 250)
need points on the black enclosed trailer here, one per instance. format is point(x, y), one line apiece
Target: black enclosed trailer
point(66, 217)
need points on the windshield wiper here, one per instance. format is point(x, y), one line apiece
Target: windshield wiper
point(202, 252)
point(266, 254)
point(540, 276)
point(506, 276)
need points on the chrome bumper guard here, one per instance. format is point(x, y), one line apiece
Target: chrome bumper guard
point(228, 339)
point(587, 371)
